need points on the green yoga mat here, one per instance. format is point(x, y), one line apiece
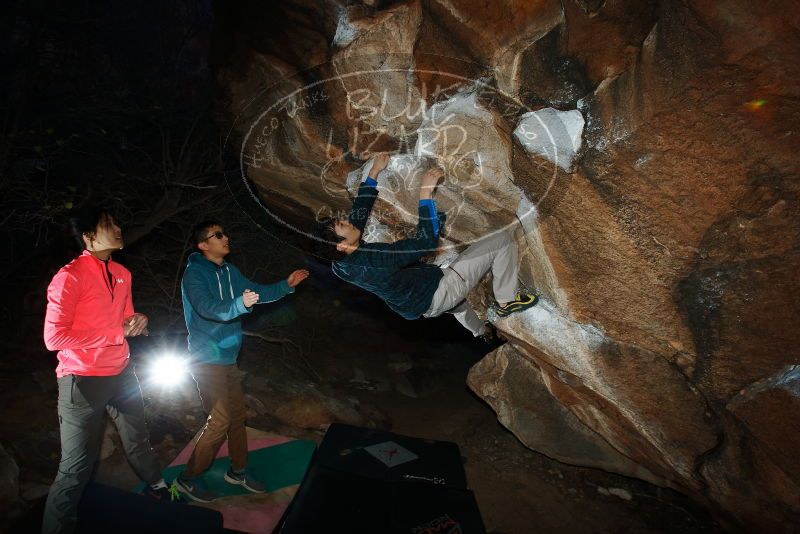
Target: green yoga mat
point(276, 466)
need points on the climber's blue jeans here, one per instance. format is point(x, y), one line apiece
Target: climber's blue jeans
point(496, 253)
point(82, 404)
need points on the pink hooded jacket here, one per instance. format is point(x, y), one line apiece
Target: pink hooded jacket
point(85, 315)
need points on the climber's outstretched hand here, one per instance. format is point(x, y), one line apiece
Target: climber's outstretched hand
point(429, 181)
point(379, 162)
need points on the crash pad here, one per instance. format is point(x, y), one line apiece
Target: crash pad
point(278, 461)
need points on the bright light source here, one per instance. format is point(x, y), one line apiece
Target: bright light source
point(169, 370)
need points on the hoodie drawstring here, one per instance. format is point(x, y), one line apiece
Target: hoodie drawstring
point(230, 285)
point(219, 284)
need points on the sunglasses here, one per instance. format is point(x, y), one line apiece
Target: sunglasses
point(218, 234)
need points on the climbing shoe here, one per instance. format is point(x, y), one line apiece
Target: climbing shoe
point(523, 301)
point(245, 479)
point(194, 489)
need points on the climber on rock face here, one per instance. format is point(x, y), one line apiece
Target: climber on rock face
point(393, 271)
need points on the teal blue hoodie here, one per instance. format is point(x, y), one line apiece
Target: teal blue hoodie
point(212, 307)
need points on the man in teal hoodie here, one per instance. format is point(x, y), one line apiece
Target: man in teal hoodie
point(215, 295)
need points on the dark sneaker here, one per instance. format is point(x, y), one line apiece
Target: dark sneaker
point(165, 494)
point(523, 301)
point(195, 489)
point(246, 479)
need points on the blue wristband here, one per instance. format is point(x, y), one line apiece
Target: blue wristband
point(434, 216)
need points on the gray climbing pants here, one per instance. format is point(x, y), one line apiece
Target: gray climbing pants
point(496, 252)
point(82, 404)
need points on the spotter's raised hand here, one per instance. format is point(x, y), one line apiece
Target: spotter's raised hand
point(296, 277)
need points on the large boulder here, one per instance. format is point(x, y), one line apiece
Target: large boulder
point(654, 200)
point(522, 395)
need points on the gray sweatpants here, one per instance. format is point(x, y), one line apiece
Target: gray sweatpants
point(82, 404)
point(496, 252)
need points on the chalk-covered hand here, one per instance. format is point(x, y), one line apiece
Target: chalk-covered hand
point(379, 162)
point(429, 181)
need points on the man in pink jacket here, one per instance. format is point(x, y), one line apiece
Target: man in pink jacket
point(89, 315)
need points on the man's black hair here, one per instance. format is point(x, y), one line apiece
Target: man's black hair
point(326, 240)
point(200, 230)
point(86, 221)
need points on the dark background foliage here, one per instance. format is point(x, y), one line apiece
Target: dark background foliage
point(107, 105)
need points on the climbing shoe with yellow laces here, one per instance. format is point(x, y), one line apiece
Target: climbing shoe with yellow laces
point(522, 301)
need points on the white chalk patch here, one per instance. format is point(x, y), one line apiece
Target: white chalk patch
point(346, 33)
point(552, 134)
point(528, 217)
point(565, 340)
